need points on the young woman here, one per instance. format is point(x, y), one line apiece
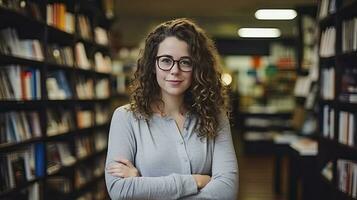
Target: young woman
point(173, 141)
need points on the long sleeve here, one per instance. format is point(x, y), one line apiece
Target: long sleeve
point(224, 180)
point(122, 144)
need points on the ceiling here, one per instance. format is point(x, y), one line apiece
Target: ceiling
point(220, 18)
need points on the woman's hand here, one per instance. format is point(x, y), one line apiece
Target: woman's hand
point(123, 168)
point(201, 180)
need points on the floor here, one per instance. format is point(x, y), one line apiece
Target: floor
point(256, 173)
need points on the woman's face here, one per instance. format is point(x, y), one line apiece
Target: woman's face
point(174, 81)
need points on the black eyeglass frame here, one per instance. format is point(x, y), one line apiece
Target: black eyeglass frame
point(173, 63)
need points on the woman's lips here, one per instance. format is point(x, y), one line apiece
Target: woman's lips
point(174, 82)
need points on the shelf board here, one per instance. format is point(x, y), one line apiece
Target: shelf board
point(347, 59)
point(19, 20)
point(76, 101)
point(10, 59)
point(16, 145)
point(55, 66)
point(329, 20)
point(90, 157)
point(267, 128)
point(20, 105)
point(327, 102)
point(56, 35)
point(15, 190)
point(348, 10)
point(82, 189)
point(346, 106)
point(262, 115)
point(346, 151)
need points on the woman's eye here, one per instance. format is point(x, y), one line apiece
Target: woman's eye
point(166, 60)
point(185, 62)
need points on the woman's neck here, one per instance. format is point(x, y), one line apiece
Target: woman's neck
point(173, 105)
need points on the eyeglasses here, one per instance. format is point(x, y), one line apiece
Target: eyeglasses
point(166, 63)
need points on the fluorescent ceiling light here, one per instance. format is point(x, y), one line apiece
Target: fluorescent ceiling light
point(275, 14)
point(259, 32)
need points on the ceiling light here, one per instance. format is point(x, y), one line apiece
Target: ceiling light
point(259, 32)
point(275, 14)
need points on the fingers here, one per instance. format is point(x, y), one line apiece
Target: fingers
point(126, 162)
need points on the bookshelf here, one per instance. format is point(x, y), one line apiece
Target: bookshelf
point(337, 100)
point(56, 98)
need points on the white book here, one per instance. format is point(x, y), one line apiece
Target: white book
point(69, 22)
point(38, 84)
point(355, 34)
point(325, 127)
point(351, 130)
point(332, 124)
point(26, 127)
point(37, 49)
point(101, 36)
point(81, 56)
point(34, 192)
point(340, 128)
point(14, 74)
point(354, 189)
point(66, 157)
point(12, 120)
point(49, 14)
point(10, 158)
point(29, 175)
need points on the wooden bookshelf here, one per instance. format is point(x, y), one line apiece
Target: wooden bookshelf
point(37, 27)
point(331, 149)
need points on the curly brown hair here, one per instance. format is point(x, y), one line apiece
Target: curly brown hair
point(206, 97)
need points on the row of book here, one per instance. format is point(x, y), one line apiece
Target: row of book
point(58, 87)
point(19, 126)
point(17, 168)
point(347, 128)
point(84, 27)
point(327, 42)
point(85, 88)
point(11, 44)
point(102, 63)
point(27, 8)
point(349, 35)
point(326, 7)
point(327, 83)
point(309, 51)
point(84, 174)
point(98, 192)
point(62, 55)
point(19, 83)
point(62, 185)
point(25, 125)
point(328, 123)
point(348, 85)
point(62, 121)
point(58, 16)
point(61, 154)
point(59, 121)
point(347, 177)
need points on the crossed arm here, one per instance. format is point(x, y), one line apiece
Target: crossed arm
point(123, 168)
point(124, 181)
